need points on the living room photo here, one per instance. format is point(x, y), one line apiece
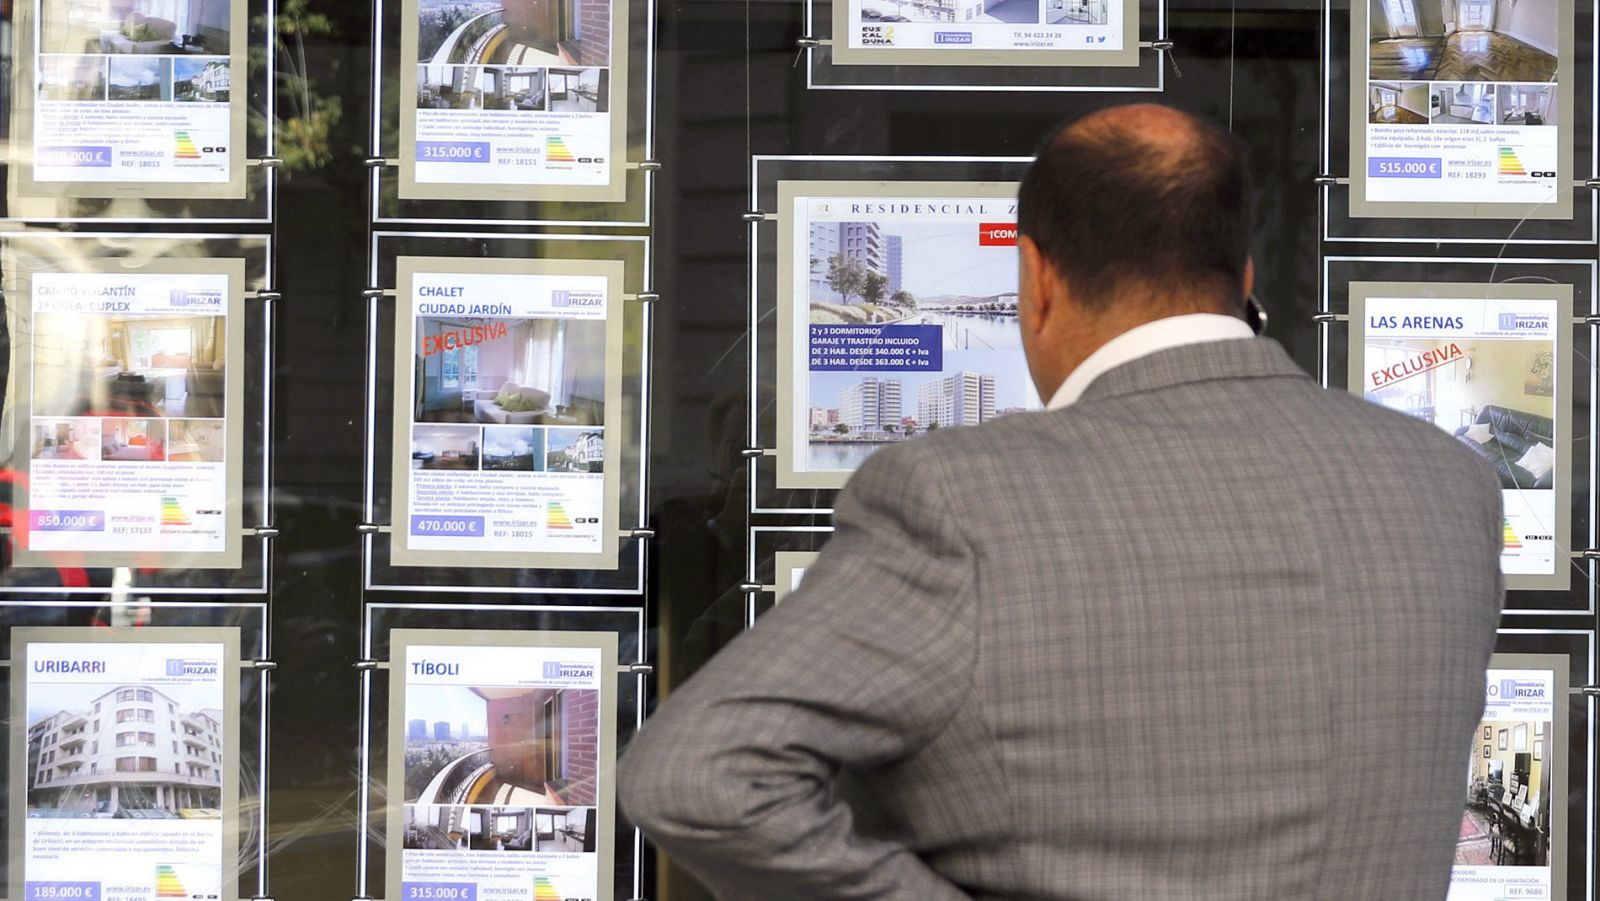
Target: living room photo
point(1496, 396)
point(128, 366)
point(1464, 40)
point(1397, 103)
point(166, 27)
point(510, 371)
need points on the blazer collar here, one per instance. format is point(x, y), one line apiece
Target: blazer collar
point(1243, 358)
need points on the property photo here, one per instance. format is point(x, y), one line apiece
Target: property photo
point(575, 450)
point(1495, 396)
point(196, 440)
point(1466, 103)
point(1008, 12)
point(435, 828)
point(152, 27)
point(500, 829)
point(74, 78)
point(1397, 103)
point(480, 87)
point(564, 829)
point(139, 78)
point(513, 449)
point(579, 90)
point(124, 751)
point(66, 439)
point(1464, 40)
point(133, 440)
point(501, 746)
point(514, 32)
point(1076, 12)
point(197, 80)
point(1507, 820)
point(446, 447)
point(510, 371)
point(1529, 104)
point(128, 365)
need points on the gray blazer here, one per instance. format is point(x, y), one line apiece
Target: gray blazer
point(1210, 633)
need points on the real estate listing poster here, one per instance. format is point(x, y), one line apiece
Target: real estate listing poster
point(986, 32)
point(502, 755)
point(134, 380)
point(130, 98)
point(897, 315)
point(1510, 845)
point(788, 568)
point(513, 100)
point(1461, 109)
point(1490, 365)
point(124, 764)
point(508, 391)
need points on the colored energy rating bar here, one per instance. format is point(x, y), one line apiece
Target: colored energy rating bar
point(1509, 538)
point(1509, 163)
point(556, 516)
point(167, 883)
point(172, 513)
point(186, 149)
point(556, 150)
point(544, 890)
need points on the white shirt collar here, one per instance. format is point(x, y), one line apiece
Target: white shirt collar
point(1143, 340)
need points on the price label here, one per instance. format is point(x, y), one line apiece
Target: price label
point(438, 891)
point(61, 891)
point(1404, 167)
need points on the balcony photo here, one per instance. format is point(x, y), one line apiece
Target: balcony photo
point(510, 371)
point(533, 33)
point(501, 746)
point(135, 27)
point(124, 751)
point(1464, 40)
point(167, 366)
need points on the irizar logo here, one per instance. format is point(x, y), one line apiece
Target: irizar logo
point(1512, 322)
point(1517, 690)
point(556, 670)
point(952, 37)
point(178, 668)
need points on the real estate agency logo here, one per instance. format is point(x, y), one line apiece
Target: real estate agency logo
point(1522, 322)
point(1517, 690)
point(556, 671)
point(178, 667)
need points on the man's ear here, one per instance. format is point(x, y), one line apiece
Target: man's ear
point(1038, 286)
point(1249, 277)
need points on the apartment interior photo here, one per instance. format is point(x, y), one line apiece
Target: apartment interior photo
point(70, 439)
point(1528, 104)
point(133, 366)
point(1397, 103)
point(133, 440)
point(1464, 40)
point(564, 829)
point(1471, 103)
point(136, 26)
point(540, 372)
point(578, 90)
point(1507, 820)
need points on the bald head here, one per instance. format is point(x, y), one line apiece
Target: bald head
point(1141, 206)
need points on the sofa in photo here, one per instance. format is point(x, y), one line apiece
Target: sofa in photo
point(1505, 438)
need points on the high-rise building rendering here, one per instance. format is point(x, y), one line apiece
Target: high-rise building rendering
point(132, 748)
point(441, 731)
point(416, 730)
point(871, 404)
point(963, 398)
point(896, 261)
point(862, 241)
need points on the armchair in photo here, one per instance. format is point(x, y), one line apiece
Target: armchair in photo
point(1506, 441)
point(513, 405)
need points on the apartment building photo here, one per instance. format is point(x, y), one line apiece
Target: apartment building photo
point(132, 751)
